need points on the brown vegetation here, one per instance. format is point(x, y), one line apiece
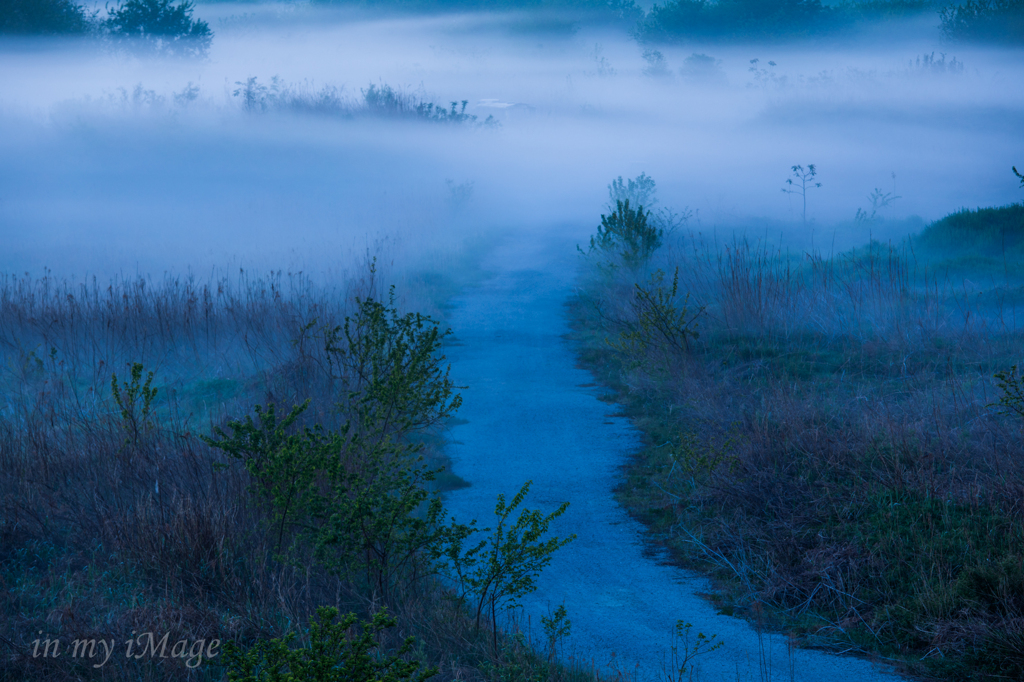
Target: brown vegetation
point(117, 519)
point(826, 442)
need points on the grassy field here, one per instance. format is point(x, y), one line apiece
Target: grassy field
point(118, 520)
point(824, 434)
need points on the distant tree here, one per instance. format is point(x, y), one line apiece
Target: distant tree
point(1019, 176)
point(160, 26)
point(43, 17)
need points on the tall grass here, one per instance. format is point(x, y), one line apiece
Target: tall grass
point(827, 445)
point(116, 519)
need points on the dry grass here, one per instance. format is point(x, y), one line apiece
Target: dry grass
point(827, 447)
point(113, 524)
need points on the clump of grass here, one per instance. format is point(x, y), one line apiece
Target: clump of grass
point(827, 447)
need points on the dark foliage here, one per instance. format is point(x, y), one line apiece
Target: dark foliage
point(732, 18)
point(998, 20)
point(160, 26)
point(984, 229)
point(43, 17)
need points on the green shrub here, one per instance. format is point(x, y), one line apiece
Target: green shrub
point(160, 26)
point(392, 364)
point(627, 233)
point(504, 567)
point(333, 655)
point(657, 323)
point(46, 17)
point(135, 402)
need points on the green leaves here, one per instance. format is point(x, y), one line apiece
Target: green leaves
point(135, 401)
point(333, 655)
point(393, 366)
point(358, 498)
point(657, 322)
point(286, 468)
point(556, 628)
point(505, 566)
point(356, 502)
point(627, 233)
point(682, 651)
point(1012, 399)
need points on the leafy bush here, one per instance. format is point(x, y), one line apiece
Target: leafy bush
point(504, 567)
point(392, 364)
point(626, 233)
point(657, 323)
point(332, 655)
point(43, 17)
point(357, 496)
point(160, 26)
point(1001, 20)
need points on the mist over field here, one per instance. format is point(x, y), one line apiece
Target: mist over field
point(109, 163)
point(750, 429)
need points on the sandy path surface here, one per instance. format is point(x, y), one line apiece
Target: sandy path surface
point(533, 416)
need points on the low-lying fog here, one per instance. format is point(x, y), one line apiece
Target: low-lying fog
point(112, 163)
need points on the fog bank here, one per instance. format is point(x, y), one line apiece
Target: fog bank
point(112, 163)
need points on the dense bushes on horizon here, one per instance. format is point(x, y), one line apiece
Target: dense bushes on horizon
point(46, 17)
point(164, 26)
point(998, 20)
point(731, 18)
point(982, 229)
point(156, 26)
point(625, 9)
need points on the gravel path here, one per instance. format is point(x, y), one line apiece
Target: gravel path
point(533, 416)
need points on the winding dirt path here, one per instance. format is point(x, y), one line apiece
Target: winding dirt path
point(533, 416)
